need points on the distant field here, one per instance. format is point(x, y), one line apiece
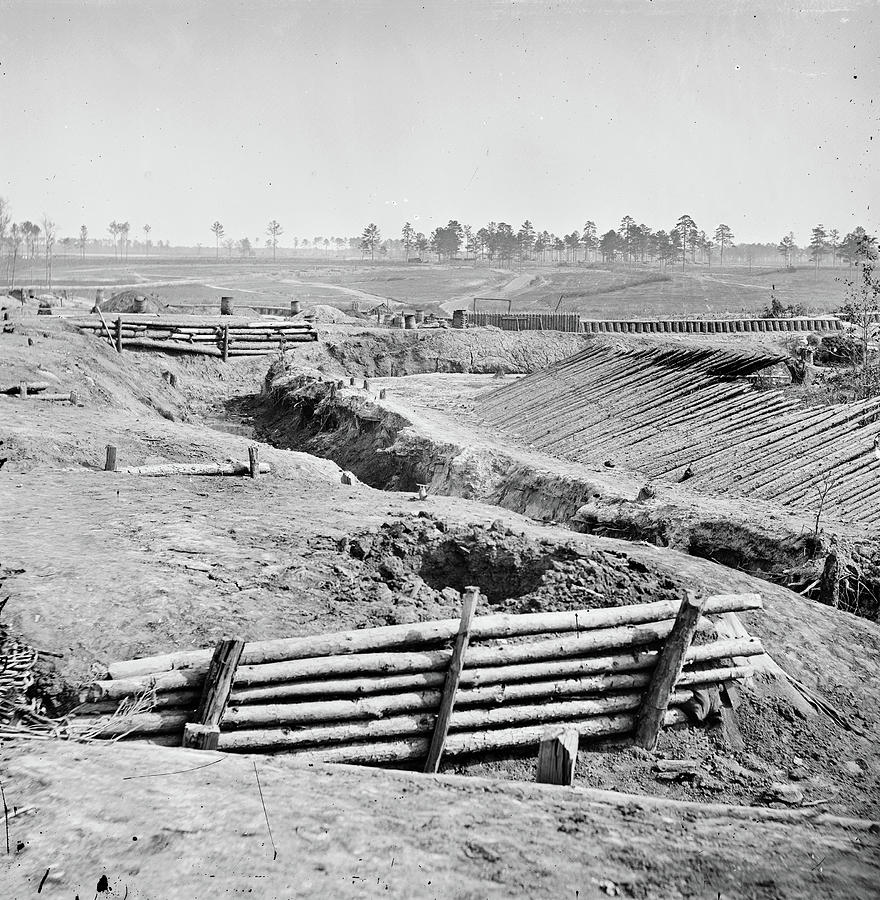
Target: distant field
point(621, 292)
point(636, 293)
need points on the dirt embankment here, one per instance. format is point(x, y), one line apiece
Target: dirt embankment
point(390, 445)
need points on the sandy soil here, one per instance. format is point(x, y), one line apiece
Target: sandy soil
point(163, 824)
point(100, 566)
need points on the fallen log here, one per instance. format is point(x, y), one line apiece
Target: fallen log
point(392, 637)
point(110, 692)
point(70, 396)
point(193, 469)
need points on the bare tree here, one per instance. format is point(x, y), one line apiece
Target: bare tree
point(15, 236)
point(83, 237)
point(124, 229)
point(147, 230)
point(113, 228)
point(217, 228)
point(4, 222)
point(49, 238)
point(274, 230)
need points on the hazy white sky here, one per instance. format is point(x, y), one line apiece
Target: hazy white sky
point(328, 115)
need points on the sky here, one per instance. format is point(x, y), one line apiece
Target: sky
point(329, 115)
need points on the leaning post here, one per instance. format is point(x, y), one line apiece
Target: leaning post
point(667, 672)
point(453, 676)
point(203, 733)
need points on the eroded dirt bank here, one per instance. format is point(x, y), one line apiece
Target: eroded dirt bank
point(397, 443)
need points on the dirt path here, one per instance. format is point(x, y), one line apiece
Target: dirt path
point(346, 832)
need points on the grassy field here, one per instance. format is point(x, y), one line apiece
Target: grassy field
point(640, 293)
point(618, 292)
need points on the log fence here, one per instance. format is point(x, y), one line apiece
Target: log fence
point(442, 688)
point(200, 336)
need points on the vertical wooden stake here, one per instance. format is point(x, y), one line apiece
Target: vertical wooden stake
point(118, 329)
point(110, 462)
point(204, 732)
point(22, 390)
point(74, 398)
point(224, 346)
point(557, 755)
point(667, 671)
point(351, 380)
point(382, 393)
point(254, 461)
point(453, 675)
point(366, 384)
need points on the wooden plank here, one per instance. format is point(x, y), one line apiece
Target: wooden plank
point(215, 696)
point(557, 755)
point(254, 461)
point(667, 672)
point(110, 459)
point(453, 675)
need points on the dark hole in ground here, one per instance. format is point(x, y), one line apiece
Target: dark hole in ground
point(415, 569)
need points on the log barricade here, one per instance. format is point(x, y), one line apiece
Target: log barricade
point(597, 326)
point(373, 695)
point(201, 335)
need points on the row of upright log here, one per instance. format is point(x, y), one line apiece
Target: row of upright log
point(708, 326)
point(462, 318)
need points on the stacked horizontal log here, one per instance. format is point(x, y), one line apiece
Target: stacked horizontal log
point(204, 336)
point(372, 695)
point(709, 326)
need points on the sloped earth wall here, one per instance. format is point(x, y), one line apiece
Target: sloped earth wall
point(385, 450)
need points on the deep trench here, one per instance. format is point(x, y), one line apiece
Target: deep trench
point(383, 451)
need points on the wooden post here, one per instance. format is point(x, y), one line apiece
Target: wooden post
point(254, 461)
point(453, 675)
point(204, 732)
point(351, 381)
point(22, 390)
point(110, 462)
point(224, 344)
point(118, 339)
point(382, 394)
point(74, 398)
point(557, 754)
point(366, 384)
point(666, 672)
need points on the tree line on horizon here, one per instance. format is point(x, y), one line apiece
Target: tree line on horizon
point(498, 242)
point(630, 242)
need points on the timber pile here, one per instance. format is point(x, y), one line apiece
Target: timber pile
point(373, 695)
point(200, 335)
point(677, 412)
